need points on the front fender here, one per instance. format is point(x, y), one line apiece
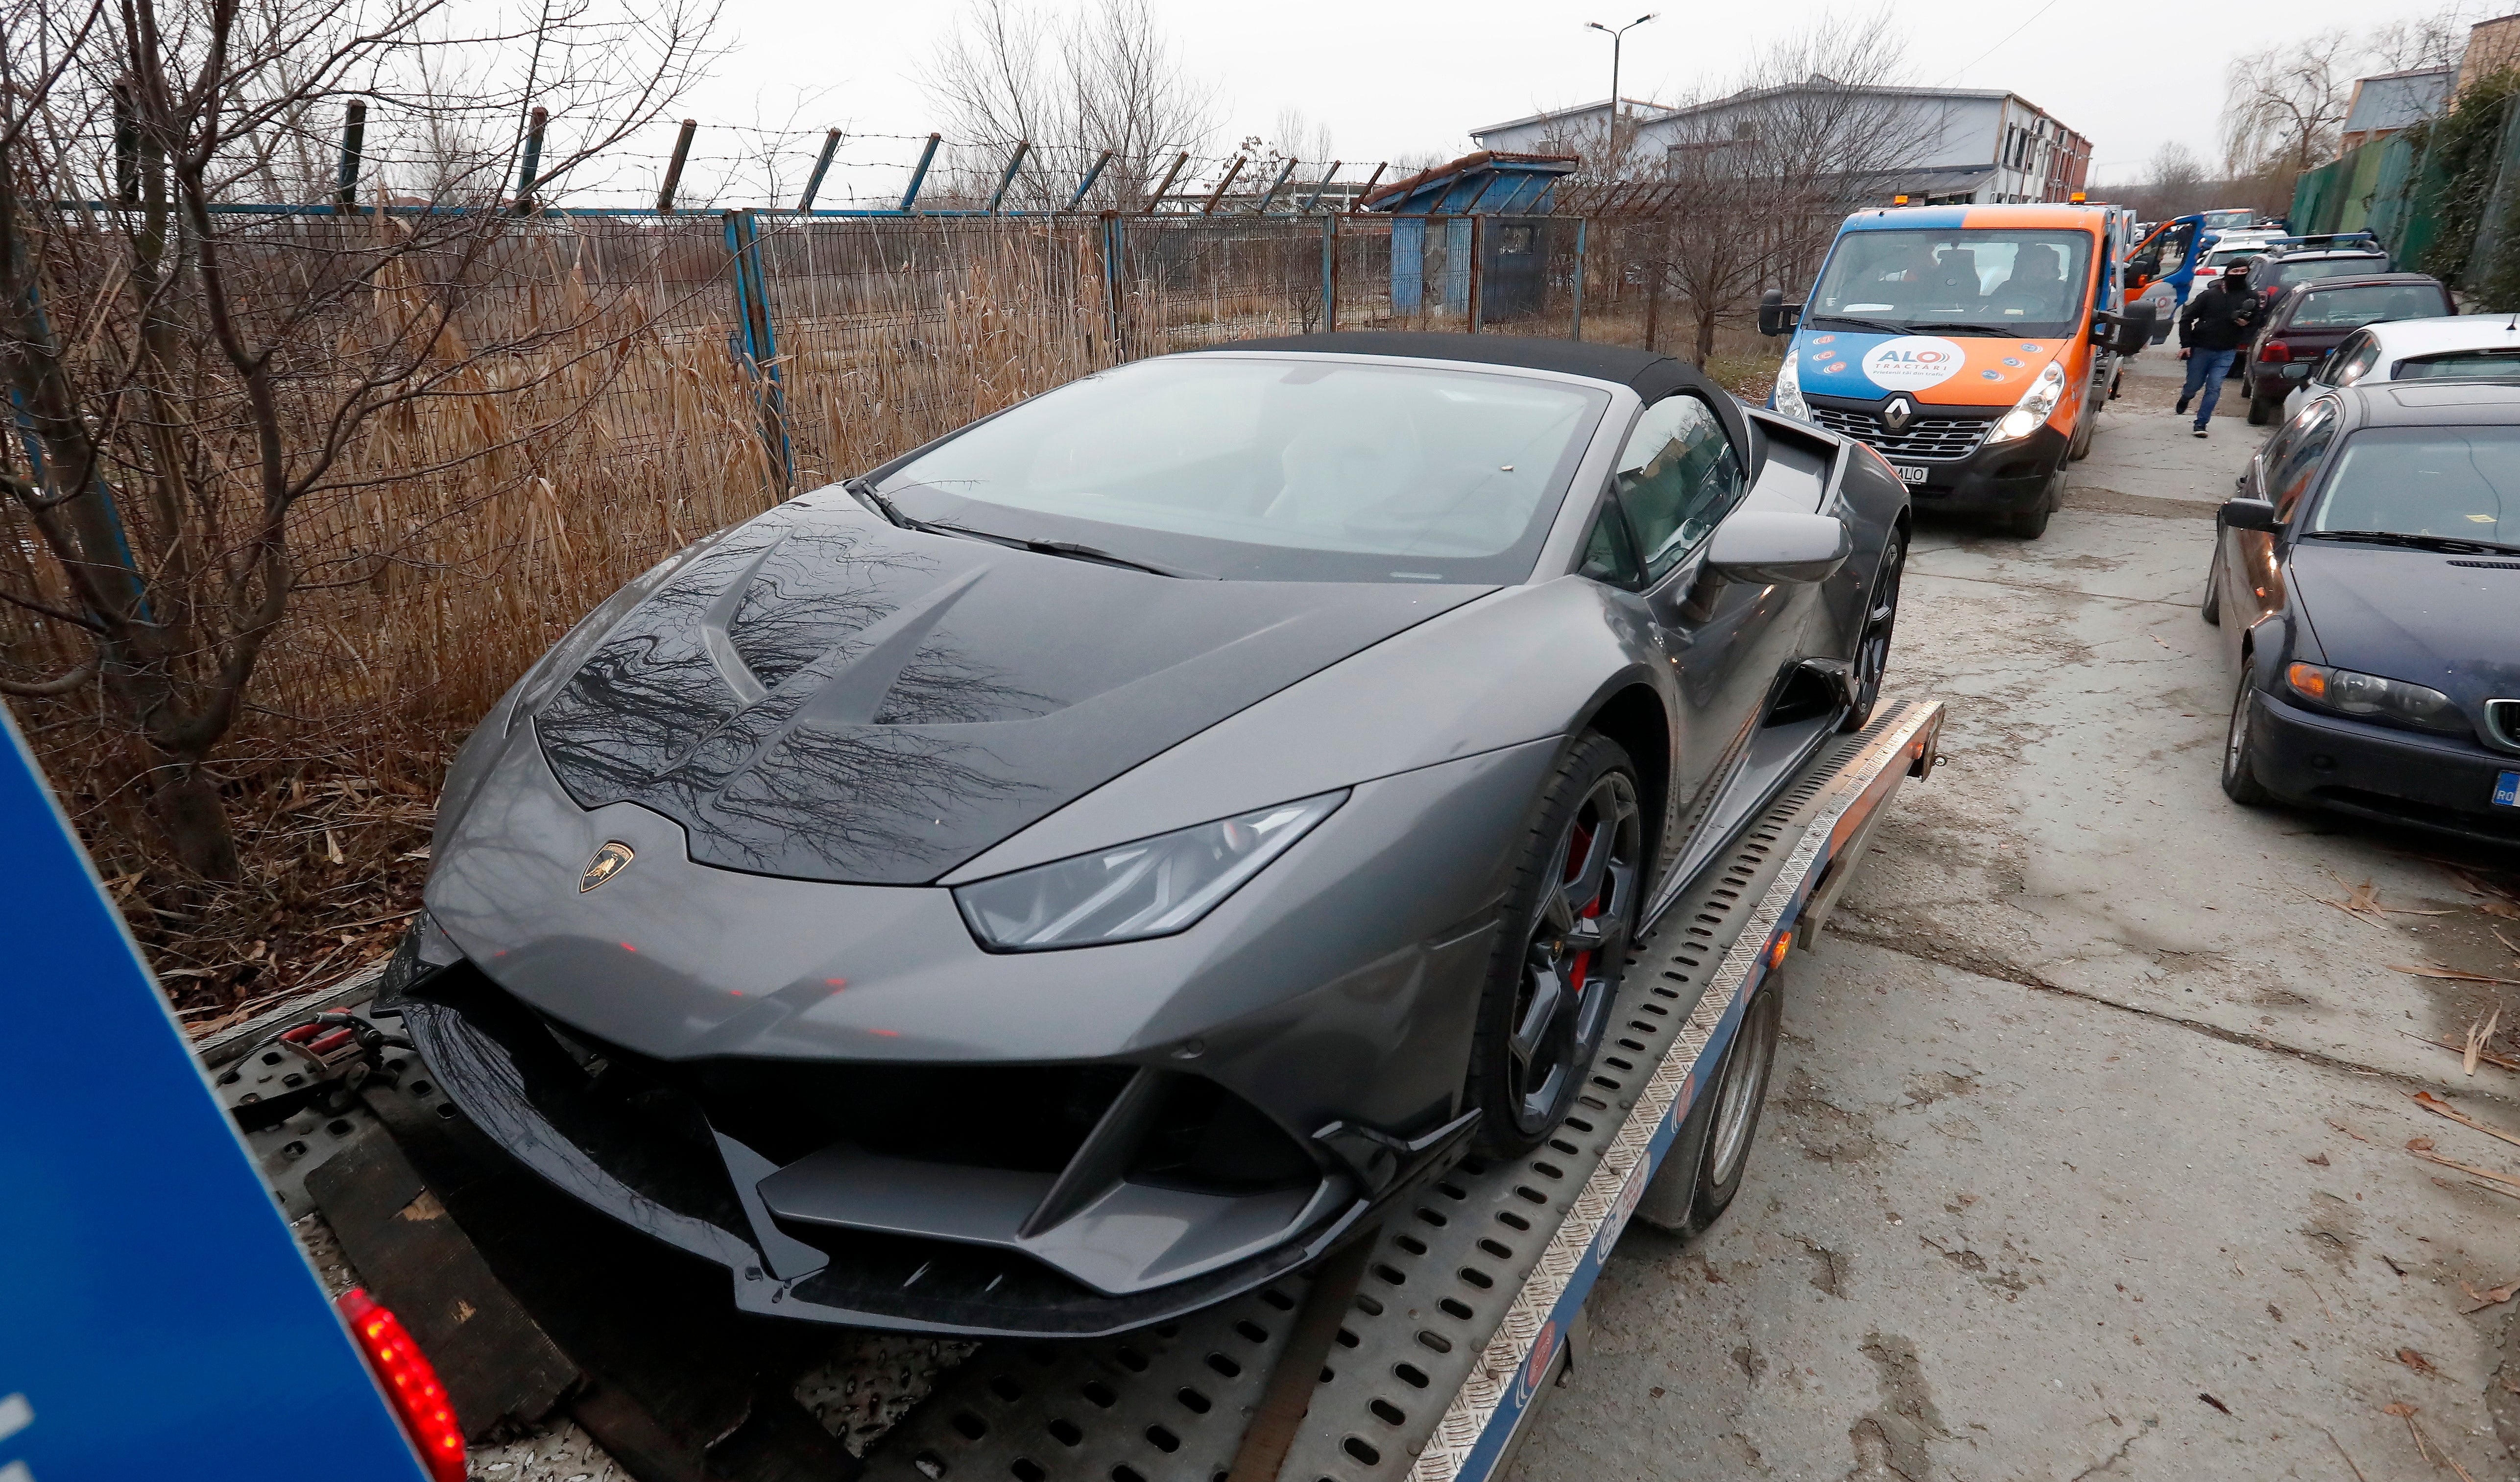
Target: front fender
point(1518, 666)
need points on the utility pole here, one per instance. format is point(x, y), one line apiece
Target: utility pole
point(1618, 160)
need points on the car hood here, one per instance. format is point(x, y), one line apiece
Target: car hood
point(1959, 370)
point(824, 696)
point(2413, 615)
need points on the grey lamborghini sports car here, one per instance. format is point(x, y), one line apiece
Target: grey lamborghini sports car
point(1077, 871)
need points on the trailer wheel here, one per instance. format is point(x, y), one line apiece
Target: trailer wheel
point(1708, 1157)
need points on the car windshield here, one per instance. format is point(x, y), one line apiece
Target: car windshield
point(2224, 221)
point(2460, 365)
point(2029, 283)
point(2367, 303)
point(1271, 470)
point(2455, 483)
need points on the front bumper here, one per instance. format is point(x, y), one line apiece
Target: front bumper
point(2438, 783)
point(847, 1235)
point(1993, 477)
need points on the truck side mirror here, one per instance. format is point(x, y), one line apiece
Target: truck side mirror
point(2132, 329)
point(1776, 316)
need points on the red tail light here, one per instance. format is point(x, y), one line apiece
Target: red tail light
point(404, 1373)
point(2275, 354)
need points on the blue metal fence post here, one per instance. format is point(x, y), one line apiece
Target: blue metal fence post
point(1330, 273)
point(1015, 162)
point(1275, 186)
point(1091, 175)
point(814, 182)
point(354, 138)
point(1578, 331)
point(532, 163)
point(1114, 244)
point(1322, 185)
point(760, 344)
point(919, 176)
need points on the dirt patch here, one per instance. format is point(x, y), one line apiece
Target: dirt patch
point(2110, 502)
point(1825, 1131)
point(1891, 1441)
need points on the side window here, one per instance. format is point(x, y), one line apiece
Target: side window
point(1677, 476)
point(2354, 360)
point(1608, 555)
point(2288, 473)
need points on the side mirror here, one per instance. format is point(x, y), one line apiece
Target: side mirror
point(1764, 546)
point(2249, 515)
point(2130, 329)
point(1776, 316)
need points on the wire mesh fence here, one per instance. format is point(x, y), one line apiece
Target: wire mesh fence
point(659, 377)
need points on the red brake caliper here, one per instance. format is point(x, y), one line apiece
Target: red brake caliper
point(1574, 865)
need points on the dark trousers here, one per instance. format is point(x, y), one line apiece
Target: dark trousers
point(2206, 368)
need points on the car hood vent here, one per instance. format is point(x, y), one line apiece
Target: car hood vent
point(823, 696)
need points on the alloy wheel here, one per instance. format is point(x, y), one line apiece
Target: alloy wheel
point(1873, 653)
point(1571, 964)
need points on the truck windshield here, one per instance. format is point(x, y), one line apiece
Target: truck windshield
point(2024, 281)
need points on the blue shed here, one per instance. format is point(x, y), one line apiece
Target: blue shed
point(1485, 184)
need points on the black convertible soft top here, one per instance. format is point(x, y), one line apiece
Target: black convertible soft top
point(1651, 374)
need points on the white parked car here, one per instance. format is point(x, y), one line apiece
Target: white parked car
point(2472, 346)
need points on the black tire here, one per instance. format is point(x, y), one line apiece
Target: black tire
point(2213, 605)
point(2031, 523)
point(1738, 1090)
point(2239, 773)
point(1569, 921)
point(2262, 411)
point(1880, 618)
point(2081, 447)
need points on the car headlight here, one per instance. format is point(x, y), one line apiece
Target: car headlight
point(2031, 410)
point(1152, 887)
point(1789, 387)
point(2348, 693)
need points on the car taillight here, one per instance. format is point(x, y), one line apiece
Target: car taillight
point(409, 1383)
point(2275, 354)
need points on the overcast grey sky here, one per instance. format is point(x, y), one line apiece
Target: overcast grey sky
point(1391, 78)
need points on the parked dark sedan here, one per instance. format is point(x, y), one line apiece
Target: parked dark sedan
point(2367, 585)
point(2313, 318)
point(1079, 870)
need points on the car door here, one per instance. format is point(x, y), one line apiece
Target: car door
point(2252, 575)
point(1677, 476)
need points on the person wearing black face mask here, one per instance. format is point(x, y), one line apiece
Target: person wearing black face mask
point(2211, 328)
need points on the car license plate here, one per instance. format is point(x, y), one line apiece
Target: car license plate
point(1909, 473)
point(2507, 790)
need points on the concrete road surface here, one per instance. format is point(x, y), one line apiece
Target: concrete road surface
point(2088, 1154)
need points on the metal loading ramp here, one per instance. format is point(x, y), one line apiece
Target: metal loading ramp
point(1438, 1335)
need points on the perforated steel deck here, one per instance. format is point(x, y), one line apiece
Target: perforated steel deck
point(1472, 1286)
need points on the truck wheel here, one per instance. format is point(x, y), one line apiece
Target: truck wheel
point(2239, 773)
point(1572, 913)
point(2262, 411)
point(2031, 523)
point(1698, 1183)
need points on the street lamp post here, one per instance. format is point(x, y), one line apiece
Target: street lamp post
point(1618, 160)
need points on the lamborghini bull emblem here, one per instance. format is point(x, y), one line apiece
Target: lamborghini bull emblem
point(608, 861)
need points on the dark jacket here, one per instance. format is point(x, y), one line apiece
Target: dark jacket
point(2218, 319)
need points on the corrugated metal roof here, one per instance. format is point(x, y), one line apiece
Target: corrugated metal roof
point(2398, 100)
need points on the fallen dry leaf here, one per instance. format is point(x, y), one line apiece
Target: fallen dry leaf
point(2416, 1362)
point(2502, 908)
point(2452, 974)
point(2466, 1168)
point(2419, 1145)
point(2476, 1036)
point(2441, 1108)
point(2484, 1057)
point(2348, 1131)
point(2492, 1296)
point(2320, 1158)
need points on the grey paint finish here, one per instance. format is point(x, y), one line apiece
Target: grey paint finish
point(828, 697)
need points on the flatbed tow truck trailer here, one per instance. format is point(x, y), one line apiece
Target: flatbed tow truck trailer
point(1418, 1350)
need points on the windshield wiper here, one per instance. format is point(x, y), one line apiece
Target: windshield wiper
point(866, 493)
point(1072, 550)
point(2456, 545)
point(1999, 330)
point(1877, 325)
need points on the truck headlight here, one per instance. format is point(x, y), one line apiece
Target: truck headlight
point(1789, 396)
point(2036, 406)
point(1152, 887)
point(2348, 693)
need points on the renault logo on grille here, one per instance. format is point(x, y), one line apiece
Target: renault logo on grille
point(1895, 416)
point(608, 861)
